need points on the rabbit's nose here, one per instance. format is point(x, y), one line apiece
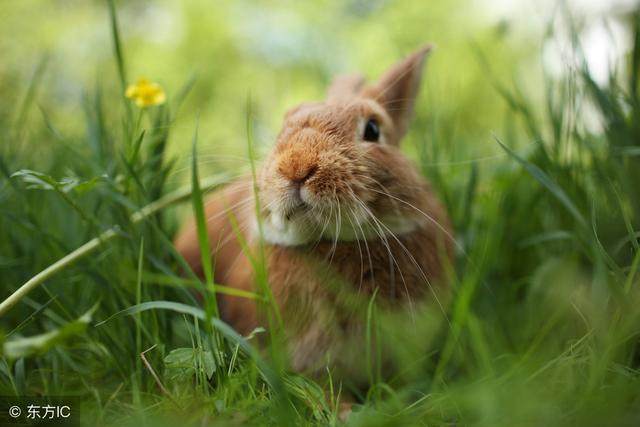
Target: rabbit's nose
point(304, 175)
point(298, 174)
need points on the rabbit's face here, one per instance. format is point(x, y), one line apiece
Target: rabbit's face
point(336, 171)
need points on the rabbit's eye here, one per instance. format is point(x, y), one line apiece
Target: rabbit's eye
point(371, 131)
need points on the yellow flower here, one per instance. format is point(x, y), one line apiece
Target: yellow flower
point(146, 93)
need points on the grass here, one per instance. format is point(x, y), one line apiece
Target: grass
point(543, 327)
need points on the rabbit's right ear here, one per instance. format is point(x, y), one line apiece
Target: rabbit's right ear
point(345, 87)
point(397, 89)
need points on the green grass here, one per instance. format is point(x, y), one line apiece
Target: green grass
point(543, 328)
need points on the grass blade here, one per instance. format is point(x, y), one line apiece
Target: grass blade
point(117, 46)
point(547, 182)
point(96, 242)
point(201, 226)
point(227, 331)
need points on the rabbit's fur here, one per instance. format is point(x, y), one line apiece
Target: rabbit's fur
point(340, 218)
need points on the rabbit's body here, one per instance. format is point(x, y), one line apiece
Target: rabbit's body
point(341, 218)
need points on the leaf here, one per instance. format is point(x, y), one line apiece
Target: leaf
point(226, 330)
point(208, 363)
point(549, 236)
point(41, 181)
point(81, 187)
point(546, 181)
point(39, 344)
point(36, 180)
point(181, 363)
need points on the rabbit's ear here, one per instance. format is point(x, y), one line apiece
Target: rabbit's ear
point(397, 89)
point(345, 87)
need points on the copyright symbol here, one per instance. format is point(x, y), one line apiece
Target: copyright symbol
point(15, 411)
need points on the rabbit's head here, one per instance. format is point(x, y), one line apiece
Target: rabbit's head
point(337, 172)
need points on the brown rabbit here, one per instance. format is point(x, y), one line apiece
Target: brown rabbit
point(343, 214)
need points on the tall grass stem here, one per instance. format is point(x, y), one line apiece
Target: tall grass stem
point(93, 244)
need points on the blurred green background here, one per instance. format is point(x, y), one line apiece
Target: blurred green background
point(278, 53)
point(528, 125)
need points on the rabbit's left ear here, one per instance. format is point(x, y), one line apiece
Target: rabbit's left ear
point(397, 89)
point(345, 87)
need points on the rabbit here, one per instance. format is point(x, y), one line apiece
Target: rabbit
point(342, 217)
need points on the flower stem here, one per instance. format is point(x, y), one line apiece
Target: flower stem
point(84, 250)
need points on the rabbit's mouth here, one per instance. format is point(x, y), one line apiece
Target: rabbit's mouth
point(300, 223)
point(305, 225)
point(297, 219)
point(297, 214)
point(295, 203)
point(294, 211)
point(289, 226)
